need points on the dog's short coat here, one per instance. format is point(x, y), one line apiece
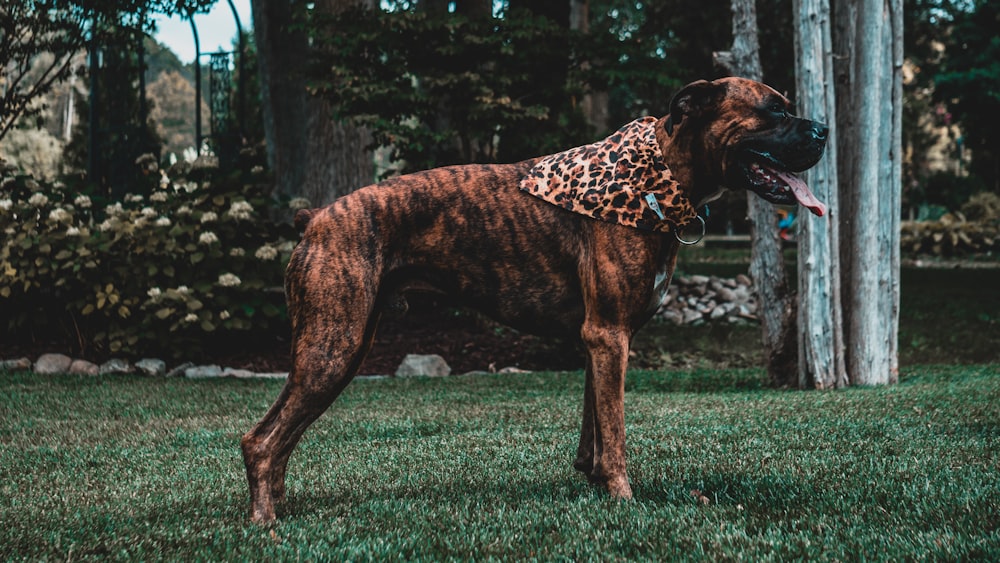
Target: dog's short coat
point(472, 233)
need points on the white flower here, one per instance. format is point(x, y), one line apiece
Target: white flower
point(154, 292)
point(229, 280)
point(190, 187)
point(59, 215)
point(190, 318)
point(162, 222)
point(32, 185)
point(266, 252)
point(148, 212)
point(82, 201)
point(183, 289)
point(164, 179)
point(237, 251)
point(140, 222)
point(158, 196)
point(257, 169)
point(183, 210)
point(208, 237)
point(133, 197)
point(106, 226)
point(224, 315)
point(240, 210)
point(38, 199)
point(208, 217)
point(299, 203)
point(6, 204)
point(115, 209)
point(72, 232)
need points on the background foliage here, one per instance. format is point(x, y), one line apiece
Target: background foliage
point(148, 274)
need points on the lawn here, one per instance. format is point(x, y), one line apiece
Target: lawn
point(478, 467)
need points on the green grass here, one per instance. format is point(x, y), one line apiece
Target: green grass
point(479, 468)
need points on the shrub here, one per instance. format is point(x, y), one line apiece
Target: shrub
point(173, 272)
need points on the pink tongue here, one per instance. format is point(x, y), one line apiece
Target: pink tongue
point(802, 193)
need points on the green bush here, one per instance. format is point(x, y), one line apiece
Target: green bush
point(195, 261)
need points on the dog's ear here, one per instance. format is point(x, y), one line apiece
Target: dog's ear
point(693, 100)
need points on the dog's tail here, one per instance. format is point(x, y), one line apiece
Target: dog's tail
point(302, 218)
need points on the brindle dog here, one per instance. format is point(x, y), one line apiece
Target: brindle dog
point(473, 234)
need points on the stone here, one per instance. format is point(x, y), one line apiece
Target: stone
point(743, 280)
point(151, 367)
point(179, 370)
point(116, 365)
point(83, 367)
point(430, 365)
point(237, 373)
point(203, 372)
point(15, 364)
point(52, 363)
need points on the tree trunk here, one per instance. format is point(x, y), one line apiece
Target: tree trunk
point(869, 94)
point(312, 155)
point(282, 92)
point(594, 104)
point(767, 266)
point(821, 346)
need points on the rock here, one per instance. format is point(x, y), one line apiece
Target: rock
point(15, 364)
point(151, 367)
point(52, 363)
point(116, 365)
point(237, 373)
point(83, 367)
point(179, 370)
point(691, 316)
point(276, 375)
point(743, 280)
point(203, 372)
point(430, 365)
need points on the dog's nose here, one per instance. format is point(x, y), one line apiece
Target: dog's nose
point(819, 131)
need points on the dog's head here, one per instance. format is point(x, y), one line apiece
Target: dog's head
point(749, 138)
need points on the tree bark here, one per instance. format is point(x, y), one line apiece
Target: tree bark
point(767, 266)
point(821, 346)
point(869, 94)
point(312, 155)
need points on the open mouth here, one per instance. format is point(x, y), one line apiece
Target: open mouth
point(782, 187)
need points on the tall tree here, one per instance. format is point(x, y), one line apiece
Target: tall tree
point(821, 349)
point(767, 266)
point(312, 154)
point(867, 68)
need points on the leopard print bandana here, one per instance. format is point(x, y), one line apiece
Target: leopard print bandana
point(621, 179)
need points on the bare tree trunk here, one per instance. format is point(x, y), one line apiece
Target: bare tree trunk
point(821, 346)
point(282, 92)
point(869, 95)
point(594, 105)
point(311, 154)
point(767, 266)
point(338, 153)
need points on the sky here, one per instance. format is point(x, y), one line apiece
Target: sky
point(216, 30)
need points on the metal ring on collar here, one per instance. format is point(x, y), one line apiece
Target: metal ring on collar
point(695, 241)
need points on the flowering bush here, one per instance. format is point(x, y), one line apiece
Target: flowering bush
point(149, 274)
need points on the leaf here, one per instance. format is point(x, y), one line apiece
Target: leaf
point(88, 309)
point(63, 254)
point(164, 313)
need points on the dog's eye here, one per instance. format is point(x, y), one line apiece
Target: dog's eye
point(778, 109)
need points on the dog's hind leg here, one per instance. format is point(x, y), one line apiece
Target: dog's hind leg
point(333, 325)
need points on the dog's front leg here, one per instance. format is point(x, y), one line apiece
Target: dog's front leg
point(602, 440)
